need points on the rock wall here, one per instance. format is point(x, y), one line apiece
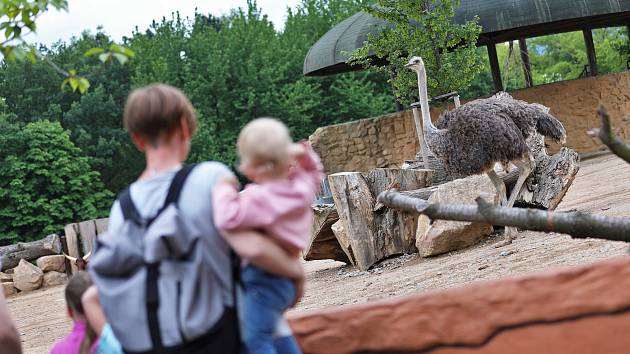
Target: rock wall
point(578, 310)
point(389, 140)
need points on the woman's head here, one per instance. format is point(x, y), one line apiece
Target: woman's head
point(265, 148)
point(77, 285)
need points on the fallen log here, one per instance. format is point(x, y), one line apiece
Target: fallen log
point(29, 251)
point(575, 224)
point(323, 244)
point(549, 182)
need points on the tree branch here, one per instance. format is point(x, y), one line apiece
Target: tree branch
point(608, 138)
point(578, 225)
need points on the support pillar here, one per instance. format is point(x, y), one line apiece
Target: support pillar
point(590, 51)
point(494, 67)
point(527, 67)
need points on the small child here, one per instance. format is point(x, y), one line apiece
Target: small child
point(82, 338)
point(286, 178)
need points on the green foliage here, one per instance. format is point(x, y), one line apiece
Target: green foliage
point(18, 16)
point(45, 182)
point(424, 28)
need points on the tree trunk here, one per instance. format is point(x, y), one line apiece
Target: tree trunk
point(368, 232)
point(578, 225)
point(10, 255)
point(323, 243)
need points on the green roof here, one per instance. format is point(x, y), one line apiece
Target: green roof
point(501, 20)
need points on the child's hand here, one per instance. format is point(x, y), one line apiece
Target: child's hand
point(297, 150)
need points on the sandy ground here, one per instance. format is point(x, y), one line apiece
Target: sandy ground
point(601, 187)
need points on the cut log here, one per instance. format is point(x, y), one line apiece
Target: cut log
point(374, 233)
point(323, 243)
point(344, 241)
point(354, 203)
point(29, 251)
point(395, 231)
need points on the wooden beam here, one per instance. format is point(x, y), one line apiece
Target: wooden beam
point(494, 67)
point(527, 66)
point(590, 51)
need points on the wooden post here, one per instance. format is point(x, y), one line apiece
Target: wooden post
point(494, 66)
point(527, 67)
point(590, 51)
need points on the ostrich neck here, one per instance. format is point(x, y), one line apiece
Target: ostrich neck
point(427, 124)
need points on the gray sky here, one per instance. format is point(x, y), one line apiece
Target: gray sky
point(119, 17)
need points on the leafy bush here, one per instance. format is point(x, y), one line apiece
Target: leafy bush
point(45, 182)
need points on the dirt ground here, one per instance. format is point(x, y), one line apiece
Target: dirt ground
point(601, 187)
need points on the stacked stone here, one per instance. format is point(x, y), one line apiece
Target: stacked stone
point(49, 271)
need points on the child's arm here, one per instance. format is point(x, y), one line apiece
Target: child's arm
point(93, 310)
point(264, 253)
point(309, 168)
point(251, 209)
point(9, 337)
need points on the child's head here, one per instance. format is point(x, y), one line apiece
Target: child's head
point(77, 285)
point(154, 113)
point(266, 149)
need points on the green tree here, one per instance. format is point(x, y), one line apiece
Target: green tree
point(45, 182)
point(424, 28)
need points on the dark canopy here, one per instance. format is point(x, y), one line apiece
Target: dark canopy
point(501, 20)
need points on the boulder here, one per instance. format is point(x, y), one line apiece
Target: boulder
point(9, 289)
point(56, 263)
point(442, 236)
point(6, 278)
point(54, 278)
point(27, 277)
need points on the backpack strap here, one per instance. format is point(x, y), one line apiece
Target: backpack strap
point(175, 189)
point(129, 210)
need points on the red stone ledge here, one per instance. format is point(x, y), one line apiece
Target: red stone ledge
point(583, 309)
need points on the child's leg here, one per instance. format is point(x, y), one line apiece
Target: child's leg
point(266, 297)
point(287, 345)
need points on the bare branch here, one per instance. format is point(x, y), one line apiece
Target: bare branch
point(578, 225)
point(608, 138)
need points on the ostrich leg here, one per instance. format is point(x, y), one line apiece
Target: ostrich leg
point(524, 169)
point(499, 185)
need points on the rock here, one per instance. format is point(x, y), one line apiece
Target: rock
point(27, 277)
point(9, 289)
point(5, 278)
point(55, 263)
point(54, 278)
point(442, 236)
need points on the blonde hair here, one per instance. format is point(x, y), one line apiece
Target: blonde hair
point(265, 145)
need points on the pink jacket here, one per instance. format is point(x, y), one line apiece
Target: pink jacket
point(280, 209)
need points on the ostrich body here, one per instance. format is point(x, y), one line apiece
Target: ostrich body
point(471, 139)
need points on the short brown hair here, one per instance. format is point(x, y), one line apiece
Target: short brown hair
point(158, 109)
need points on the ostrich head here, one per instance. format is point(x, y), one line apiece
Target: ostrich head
point(415, 64)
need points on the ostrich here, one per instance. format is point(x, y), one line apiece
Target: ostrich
point(469, 140)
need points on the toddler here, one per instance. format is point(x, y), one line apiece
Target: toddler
point(82, 337)
point(286, 178)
